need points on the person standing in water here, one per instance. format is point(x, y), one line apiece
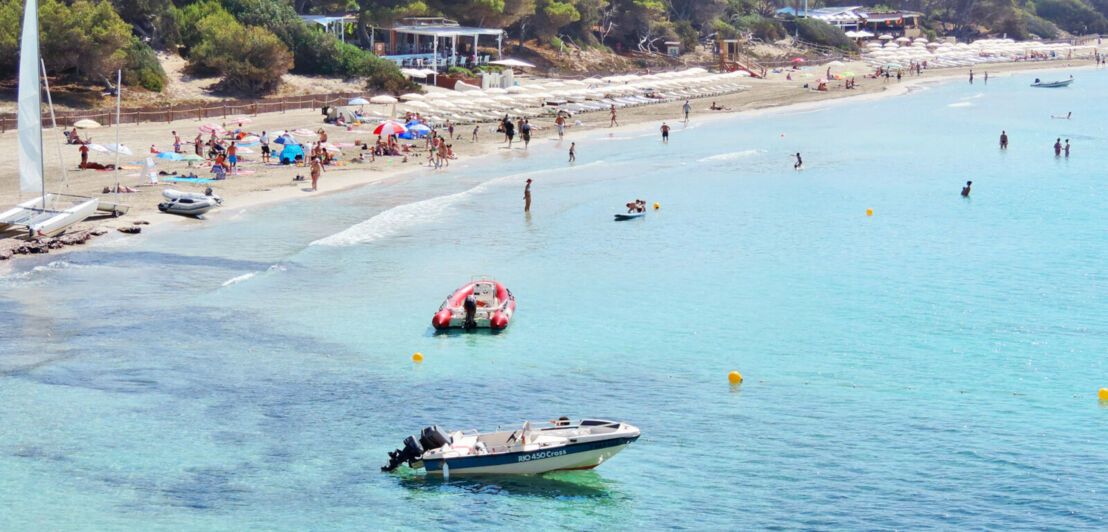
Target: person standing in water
point(560, 122)
point(799, 162)
point(986, 77)
point(687, 107)
point(1058, 147)
point(965, 189)
point(665, 133)
point(572, 152)
point(527, 197)
point(1067, 148)
point(1003, 140)
point(971, 76)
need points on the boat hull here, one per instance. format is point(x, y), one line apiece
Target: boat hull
point(585, 455)
point(52, 218)
point(1053, 84)
point(629, 216)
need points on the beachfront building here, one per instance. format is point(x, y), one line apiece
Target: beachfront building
point(861, 20)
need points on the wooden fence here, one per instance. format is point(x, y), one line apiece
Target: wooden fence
point(218, 111)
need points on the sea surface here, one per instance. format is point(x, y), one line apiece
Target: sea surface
point(932, 366)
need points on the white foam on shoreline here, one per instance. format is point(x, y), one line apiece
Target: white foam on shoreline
point(391, 221)
point(731, 156)
point(960, 104)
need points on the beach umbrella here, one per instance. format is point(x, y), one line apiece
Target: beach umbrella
point(330, 146)
point(212, 127)
point(170, 156)
point(241, 120)
point(496, 90)
point(303, 132)
point(886, 37)
point(512, 63)
point(411, 97)
point(121, 149)
point(286, 140)
point(383, 99)
point(847, 74)
point(358, 101)
point(86, 123)
point(389, 128)
point(798, 60)
point(419, 128)
point(893, 65)
point(516, 89)
point(98, 147)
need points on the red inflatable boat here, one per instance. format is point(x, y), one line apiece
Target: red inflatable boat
point(480, 304)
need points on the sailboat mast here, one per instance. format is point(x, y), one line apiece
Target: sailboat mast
point(118, 97)
point(54, 122)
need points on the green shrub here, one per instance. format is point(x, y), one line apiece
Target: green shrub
point(460, 71)
point(1043, 28)
point(1072, 16)
point(820, 32)
point(763, 28)
point(557, 44)
point(141, 67)
point(251, 59)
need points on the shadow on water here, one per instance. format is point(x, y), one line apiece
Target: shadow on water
point(556, 485)
point(433, 332)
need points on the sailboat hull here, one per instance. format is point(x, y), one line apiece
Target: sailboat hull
point(49, 215)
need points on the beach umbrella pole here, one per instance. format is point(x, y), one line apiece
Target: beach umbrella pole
point(118, 97)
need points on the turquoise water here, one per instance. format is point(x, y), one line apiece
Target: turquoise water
point(932, 366)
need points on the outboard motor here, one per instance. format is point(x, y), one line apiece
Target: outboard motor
point(410, 453)
point(433, 437)
point(470, 306)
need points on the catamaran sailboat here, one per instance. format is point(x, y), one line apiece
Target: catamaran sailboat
point(48, 214)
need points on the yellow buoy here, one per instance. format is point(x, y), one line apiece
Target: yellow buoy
point(1103, 394)
point(734, 377)
point(869, 212)
point(657, 206)
point(418, 357)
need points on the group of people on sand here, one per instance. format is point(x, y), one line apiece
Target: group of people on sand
point(523, 126)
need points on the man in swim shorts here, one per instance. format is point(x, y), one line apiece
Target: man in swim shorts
point(232, 156)
point(665, 133)
point(1003, 140)
point(965, 189)
point(527, 197)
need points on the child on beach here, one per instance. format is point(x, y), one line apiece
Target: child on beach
point(572, 151)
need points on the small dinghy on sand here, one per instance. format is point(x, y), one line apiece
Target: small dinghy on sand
point(188, 203)
point(479, 304)
point(531, 449)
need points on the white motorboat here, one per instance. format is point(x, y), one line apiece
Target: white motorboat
point(188, 203)
point(46, 214)
point(530, 449)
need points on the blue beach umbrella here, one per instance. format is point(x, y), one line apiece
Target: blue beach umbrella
point(286, 140)
point(170, 155)
point(358, 101)
point(419, 128)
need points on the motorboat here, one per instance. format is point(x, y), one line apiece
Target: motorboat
point(1052, 84)
point(480, 304)
point(48, 215)
point(188, 203)
point(532, 448)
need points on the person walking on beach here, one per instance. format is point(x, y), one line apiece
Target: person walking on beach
point(1003, 140)
point(1058, 147)
point(264, 140)
point(560, 122)
point(614, 122)
point(176, 143)
point(965, 189)
point(1067, 148)
point(527, 197)
point(799, 163)
point(317, 167)
point(198, 144)
point(665, 133)
point(572, 152)
point(450, 129)
point(687, 107)
point(525, 132)
point(232, 155)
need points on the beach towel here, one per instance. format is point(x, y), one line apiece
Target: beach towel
point(189, 179)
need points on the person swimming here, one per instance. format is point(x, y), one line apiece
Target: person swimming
point(966, 189)
point(799, 162)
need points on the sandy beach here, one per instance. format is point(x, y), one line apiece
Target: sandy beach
point(260, 183)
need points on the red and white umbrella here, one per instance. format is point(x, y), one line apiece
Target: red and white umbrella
point(303, 132)
point(241, 120)
point(390, 128)
point(212, 127)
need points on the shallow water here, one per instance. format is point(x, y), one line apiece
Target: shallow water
point(934, 365)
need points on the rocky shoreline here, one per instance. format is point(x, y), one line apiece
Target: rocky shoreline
point(40, 246)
